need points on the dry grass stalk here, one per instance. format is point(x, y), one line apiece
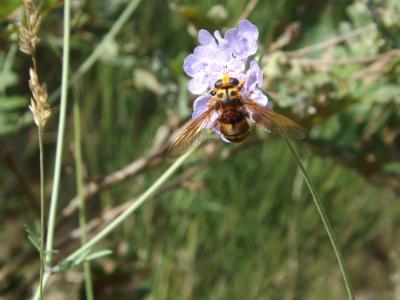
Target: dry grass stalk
point(28, 40)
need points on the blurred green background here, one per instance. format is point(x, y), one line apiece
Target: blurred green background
point(236, 222)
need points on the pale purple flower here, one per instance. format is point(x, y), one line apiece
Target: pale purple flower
point(216, 56)
point(254, 78)
point(243, 40)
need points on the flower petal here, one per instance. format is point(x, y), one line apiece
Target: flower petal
point(218, 36)
point(254, 76)
point(246, 28)
point(205, 38)
point(231, 35)
point(235, 67)
point(197, 86)
point(200, 105)
point(188, 63)
point(258, 96)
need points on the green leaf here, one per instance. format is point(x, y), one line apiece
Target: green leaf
point(12, 103)
point(33, 238)
point(86, 256)
point(98, 254)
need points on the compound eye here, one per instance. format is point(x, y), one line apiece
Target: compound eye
point(218, 84)
point(233, 82)
point(213, 93)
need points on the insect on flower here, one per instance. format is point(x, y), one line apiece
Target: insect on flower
point(230, 96)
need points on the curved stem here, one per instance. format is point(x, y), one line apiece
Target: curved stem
point(324, 218)
point(60, 134)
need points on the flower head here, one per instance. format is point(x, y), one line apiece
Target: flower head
point(228, 55)
point(219, 55)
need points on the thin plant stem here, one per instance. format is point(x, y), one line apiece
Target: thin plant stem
point(60, 134)
point(79, 186)
point(46, 277)
point(110, 227)
point(324, 218)
point(42, 205)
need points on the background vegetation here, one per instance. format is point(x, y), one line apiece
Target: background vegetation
point(236, 221)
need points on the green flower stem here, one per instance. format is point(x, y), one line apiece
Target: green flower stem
point(324, 218)
point(60, 134)
point(46, 277)
point(79, 187)
point(42, 205)
point(98, 51)
point(145, 196)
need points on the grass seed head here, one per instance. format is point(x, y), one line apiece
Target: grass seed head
point(39, 106)
point(28, 30)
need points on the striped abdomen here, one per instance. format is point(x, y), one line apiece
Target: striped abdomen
point(233, 122)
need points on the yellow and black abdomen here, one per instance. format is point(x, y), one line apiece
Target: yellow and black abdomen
point(233, 122)
point(234, 126)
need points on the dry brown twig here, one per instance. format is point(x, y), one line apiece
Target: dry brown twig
point(248, 10)
point(157, 155)
point(155, 158)
point(289, 34)
point(111, 214)
point(378, 66)
point(332, 41)
point(94, 187)
point(326, 63)
point(181, 181)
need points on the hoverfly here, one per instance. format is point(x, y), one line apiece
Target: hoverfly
point(235, 114)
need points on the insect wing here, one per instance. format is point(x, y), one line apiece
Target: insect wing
point(192, 134)
point(272, 121)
